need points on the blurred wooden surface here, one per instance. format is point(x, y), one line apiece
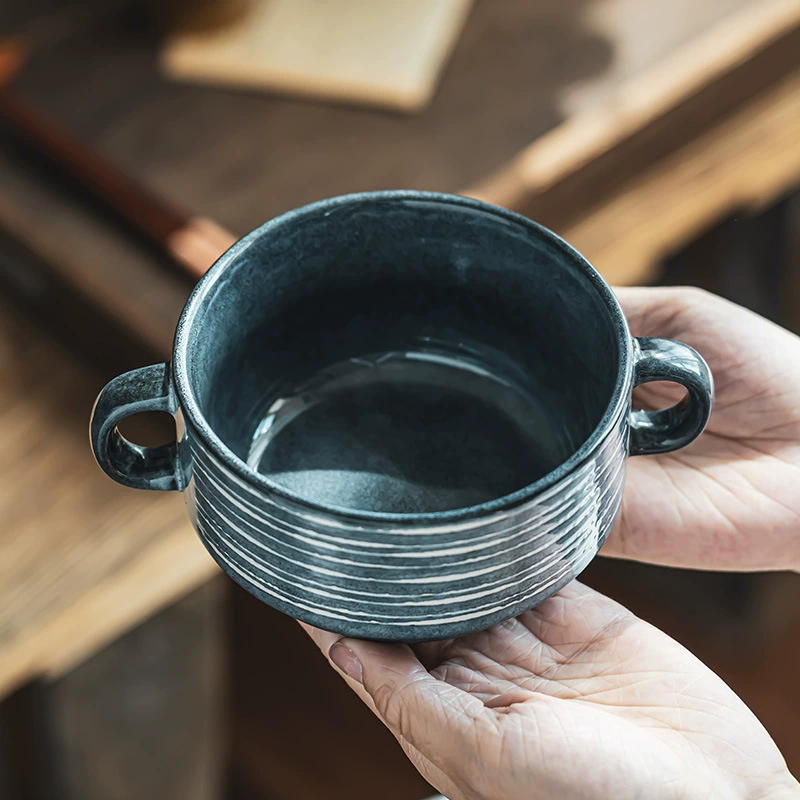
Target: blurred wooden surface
point(83, 559)
point(142, 717)
point(86, 561)
point(710, 130)
point(742, 164)
point(518, 70)
point(139, 719)
point(193, 244)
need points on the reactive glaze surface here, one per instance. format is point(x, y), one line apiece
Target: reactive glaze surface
point(407, 580)
point(403, 415)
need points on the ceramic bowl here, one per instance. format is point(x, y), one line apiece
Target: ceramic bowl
point(401, 415)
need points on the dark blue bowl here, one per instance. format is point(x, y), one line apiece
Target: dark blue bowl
point(401, 415)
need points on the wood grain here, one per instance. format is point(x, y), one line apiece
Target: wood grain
point(142, 209)
point(195, 243)
point(178, 140)
point(82, 247)
point(384, 54)
point(712, 129)
point(240, 158)
point(83, 558)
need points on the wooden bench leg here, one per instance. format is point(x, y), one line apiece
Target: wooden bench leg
point(142, 719)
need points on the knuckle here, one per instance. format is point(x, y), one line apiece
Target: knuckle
point(681, 307)
point(382, 697)
point(393, 704)
point(694, 295)
point(693, 299)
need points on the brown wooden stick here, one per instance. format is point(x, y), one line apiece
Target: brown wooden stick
point(194, 243)
point(143, 210)
point(198, 243)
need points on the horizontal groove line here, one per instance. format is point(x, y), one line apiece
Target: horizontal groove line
point(267, 566)
point(385, 619)
point(521, 540)
point(212, 465)
point(524, 525)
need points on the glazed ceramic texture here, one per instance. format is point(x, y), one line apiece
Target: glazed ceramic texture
point(402, 416)
point(407, 580)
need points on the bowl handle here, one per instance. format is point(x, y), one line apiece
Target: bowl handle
point(662, 431)
point(144, 389)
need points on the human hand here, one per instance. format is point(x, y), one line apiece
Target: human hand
point(731, 499)
point(577, 699)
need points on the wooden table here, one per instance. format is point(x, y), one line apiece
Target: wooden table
point(83, 561)
point(625, 125)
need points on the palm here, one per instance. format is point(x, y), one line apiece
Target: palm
point(579, 675)
point(577, 698)
point(698, 507)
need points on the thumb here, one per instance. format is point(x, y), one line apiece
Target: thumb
point(439, 720)
point(654, 311)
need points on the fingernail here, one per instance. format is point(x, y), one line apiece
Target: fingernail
point(346, 660)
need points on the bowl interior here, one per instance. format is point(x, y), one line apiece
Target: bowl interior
point(402, 354)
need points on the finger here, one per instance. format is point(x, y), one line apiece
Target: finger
point(435, 776)
point(441, 721)
point(435, 718)
point(325, 641)
point(709, 323)
point(652, 311)
point(432, 773)
point(671, 311)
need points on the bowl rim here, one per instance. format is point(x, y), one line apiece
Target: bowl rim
point(181, 357)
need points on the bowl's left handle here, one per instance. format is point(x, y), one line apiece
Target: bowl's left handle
point(144, 389)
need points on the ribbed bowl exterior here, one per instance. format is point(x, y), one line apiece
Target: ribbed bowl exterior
point(405, 582)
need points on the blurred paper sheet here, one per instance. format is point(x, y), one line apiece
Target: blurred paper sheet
point(382, 53)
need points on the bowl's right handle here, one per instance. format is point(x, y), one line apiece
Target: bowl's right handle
point(144, 389)
point(662, 431)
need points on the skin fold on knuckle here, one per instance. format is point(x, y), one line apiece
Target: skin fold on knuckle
point(392, 704)
point(433, 727)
